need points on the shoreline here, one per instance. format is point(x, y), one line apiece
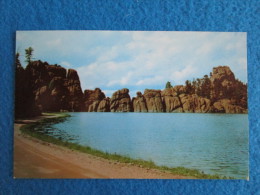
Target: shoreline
point(36, 158)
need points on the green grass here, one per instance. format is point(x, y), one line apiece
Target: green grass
point(35, 130)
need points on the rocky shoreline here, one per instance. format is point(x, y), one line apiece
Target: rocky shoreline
point(41, 87)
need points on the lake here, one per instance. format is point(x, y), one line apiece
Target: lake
point(212, 143)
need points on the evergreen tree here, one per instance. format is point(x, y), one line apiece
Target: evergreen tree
point(194, 86)
point(17, 60)
point(188, 87)
point(28, 54)
point(198, 87)
point(205, 87)
point(168, 85)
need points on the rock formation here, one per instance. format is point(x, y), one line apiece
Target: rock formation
point(227, 92)
point(47, 83)
point(58, 94)
point(153, 100)
point(224, 74)
point(25, 105)
point(121, 101)
point(171, 100)
point(75, 94)
point(104, 105)
point(226, 106)
point(41, 87)
point(139, 104)
point(194, 103)
point(176, 100)
point(92, 98)
point(42, 98)
point(51, 87)
point(219, 93)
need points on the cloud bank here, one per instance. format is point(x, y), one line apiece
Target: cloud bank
point(137, 60)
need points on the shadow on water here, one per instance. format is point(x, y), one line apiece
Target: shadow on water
point(46, 127)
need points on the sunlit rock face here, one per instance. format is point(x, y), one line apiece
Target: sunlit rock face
point(153, 100)
point(104, 105)
point(121, 101)
point(91, 99)
point(139, 104)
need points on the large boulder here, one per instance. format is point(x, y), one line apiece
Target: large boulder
point(41, 73)
point(121, 101)
point(92, 99)
point(222, 75)
point(153, 100)
point(139, 104)
point(226, 106)
point(171, 100)
point(226, 87)
point(194, 103)
point(104, 105)
point(221, 72)
point(47, 83)
point(176, 100)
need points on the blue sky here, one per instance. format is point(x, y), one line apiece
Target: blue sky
point(137, 60)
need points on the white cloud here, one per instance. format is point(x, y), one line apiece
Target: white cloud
point(184, 74)
point(66, 64)
point(112, 60)
point(150, 81)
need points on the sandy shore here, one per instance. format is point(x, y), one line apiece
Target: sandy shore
point(34, 158)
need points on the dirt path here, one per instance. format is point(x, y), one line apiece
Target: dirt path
point(37, 159)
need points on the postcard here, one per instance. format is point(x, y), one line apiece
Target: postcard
point(131, 104)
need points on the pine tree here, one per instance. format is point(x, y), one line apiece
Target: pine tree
point(17, 60)
point(168, 85)
point(188, 87)
point(205, 87)
point(28, 54)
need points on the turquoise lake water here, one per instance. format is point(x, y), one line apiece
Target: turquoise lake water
point(212, 143)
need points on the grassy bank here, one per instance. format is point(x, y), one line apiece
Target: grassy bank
point(37, 130)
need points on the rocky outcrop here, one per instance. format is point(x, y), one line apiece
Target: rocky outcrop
point(55, 71)
point(222, 82)
point(223, 74)
point(58, 94)
point(153, 100)
point(92, 98)
point(121, 101)
point(41, 87)
point(42, 98)
point(52, 87)
point(139, 104)
point(47, 82)
point(226, 106)
point(176, 100)
point(104, 105)
point(25, 105)
point(75, 94)
point(194, 103)
point(228, 94)
point(171, 100)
